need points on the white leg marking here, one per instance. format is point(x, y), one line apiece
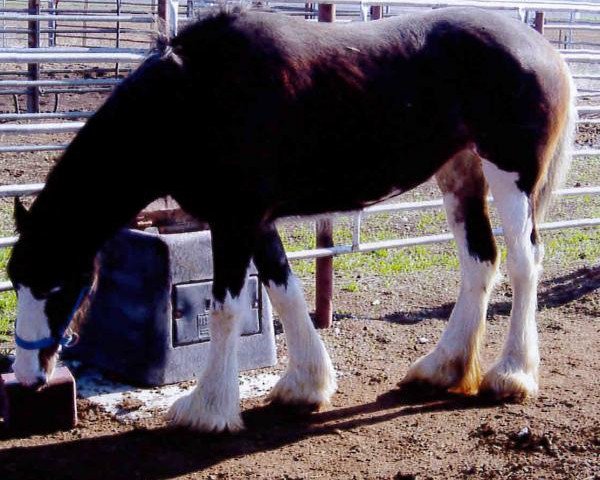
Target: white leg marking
point(309, 378)
point(516, 372)
point(454, 362)
point(32, 325)
point(214, 405)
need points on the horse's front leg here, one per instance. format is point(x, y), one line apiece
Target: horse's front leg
point(309, 380)
point(214, 405)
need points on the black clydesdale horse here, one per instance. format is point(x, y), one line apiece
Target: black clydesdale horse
point(248, 117)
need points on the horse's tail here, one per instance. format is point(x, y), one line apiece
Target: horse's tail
point(562, 155)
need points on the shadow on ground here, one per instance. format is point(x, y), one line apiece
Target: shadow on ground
point(164, 453)
point(553, 293)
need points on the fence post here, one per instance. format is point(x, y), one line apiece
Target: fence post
point(324, 233)
point(52, 24)
point(309, 9)
point(33, 69)
point(538, 22)
point(324, 276)
point(118, 36)
point(326, 12)
point(376, 12)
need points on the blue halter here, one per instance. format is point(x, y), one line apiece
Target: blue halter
point(60, 339)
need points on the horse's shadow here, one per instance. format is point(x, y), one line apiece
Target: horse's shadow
point(553, 293)
point(165, 453)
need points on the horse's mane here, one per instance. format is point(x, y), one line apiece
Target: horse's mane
point(223, 11)
point(81, 315)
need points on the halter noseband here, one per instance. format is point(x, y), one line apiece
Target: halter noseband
point(60, 339)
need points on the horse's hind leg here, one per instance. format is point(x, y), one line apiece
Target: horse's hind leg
point(214, 405)
point(454, 362)
point(309, 379)
point(515, 374)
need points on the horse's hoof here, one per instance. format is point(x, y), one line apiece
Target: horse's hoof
point(190, 412)
point(304, 391)
point(509, 385)
point(436, 372)
point(295, 408)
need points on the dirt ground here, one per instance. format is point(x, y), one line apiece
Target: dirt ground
point(372, 430)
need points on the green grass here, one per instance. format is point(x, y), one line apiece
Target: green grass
point(8, 308)
point(573, 245)
point(8, 301)
point(7, 228)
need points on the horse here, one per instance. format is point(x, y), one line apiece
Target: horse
point(248, 116)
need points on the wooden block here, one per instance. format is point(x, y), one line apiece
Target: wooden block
point(52, 408)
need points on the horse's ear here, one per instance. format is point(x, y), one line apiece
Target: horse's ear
point(21, 216)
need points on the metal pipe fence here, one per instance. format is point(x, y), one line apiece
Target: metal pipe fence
point(171, 12)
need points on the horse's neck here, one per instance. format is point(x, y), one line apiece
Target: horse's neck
point(88, 197)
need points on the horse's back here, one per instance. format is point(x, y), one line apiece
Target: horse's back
point(294, 103)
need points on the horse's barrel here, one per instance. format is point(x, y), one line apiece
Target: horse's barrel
point(52, 408)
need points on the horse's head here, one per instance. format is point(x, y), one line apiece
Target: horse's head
point(48, 297)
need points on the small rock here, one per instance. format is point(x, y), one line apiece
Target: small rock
point(376, 302)
point(422, 340)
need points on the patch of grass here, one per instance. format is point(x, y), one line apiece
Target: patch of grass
point(392, 262)
point(6, 218)
point(352, 286)
point(382, 262)
point(8, 308)
point(573, 245)
point(4, 257)
point(385, 263)
point(431, 222)
point(8, 301)
point(297, 237)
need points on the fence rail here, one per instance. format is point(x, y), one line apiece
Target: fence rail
point(357, 246)
point(32, 56)
point(567, 6)
point(141, 18)
point(424, 240)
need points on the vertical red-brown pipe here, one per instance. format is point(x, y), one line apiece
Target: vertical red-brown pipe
point(326, 12)
point(324, 266)
point(376, 12)
point(163, 17)
point(324, 276)
point(538, 22)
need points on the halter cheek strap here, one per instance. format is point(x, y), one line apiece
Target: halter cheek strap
point(61, 338)
point(43, 343)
